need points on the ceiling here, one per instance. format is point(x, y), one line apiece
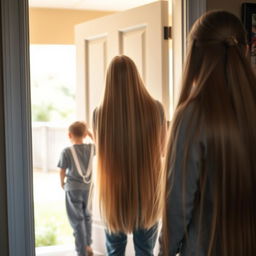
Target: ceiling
point(106, 5)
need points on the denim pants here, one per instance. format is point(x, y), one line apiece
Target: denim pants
point(144, 242)
point(79, 218)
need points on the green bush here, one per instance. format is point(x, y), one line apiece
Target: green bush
point(47, 235)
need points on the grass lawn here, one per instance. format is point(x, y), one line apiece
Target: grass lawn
point(51, 223)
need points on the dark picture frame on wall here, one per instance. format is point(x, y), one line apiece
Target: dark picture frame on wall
point(249, 21)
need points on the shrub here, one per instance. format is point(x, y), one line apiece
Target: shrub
point(46, 235)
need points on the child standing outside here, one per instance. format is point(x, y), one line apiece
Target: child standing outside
point(75, 176)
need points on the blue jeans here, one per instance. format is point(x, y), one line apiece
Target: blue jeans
point(79, 218)
point(144, 242)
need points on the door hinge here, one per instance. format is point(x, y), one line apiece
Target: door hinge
point(167, 33)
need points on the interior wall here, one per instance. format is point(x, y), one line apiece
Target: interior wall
point(233, 6)
point(56, 26)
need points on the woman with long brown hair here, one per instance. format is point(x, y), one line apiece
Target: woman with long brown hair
point(211, 160)
point(129, 132)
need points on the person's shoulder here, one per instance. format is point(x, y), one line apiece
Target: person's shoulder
point(188, 110)
point(160, 108)
point(159, 104)
point(88, 145)
point(94, 116)
point(65, 154)
point(191, 122)
point(66, 150)
point(95, 113)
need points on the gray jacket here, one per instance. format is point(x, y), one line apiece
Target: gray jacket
point(183, 200)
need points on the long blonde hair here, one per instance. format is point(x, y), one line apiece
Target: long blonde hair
point(219, 82)
point(128, 136)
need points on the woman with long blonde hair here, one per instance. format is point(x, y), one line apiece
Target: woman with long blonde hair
point(210, 193)
point(129, 130)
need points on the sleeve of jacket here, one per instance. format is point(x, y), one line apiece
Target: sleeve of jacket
point(94, 122)
point(183, 183)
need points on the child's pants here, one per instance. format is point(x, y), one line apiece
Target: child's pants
point(80, 218)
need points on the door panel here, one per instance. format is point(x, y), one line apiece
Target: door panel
point(129, 38)
point(137, 33)
point(95, 50)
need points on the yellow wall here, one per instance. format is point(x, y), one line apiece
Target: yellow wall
point(56, 26)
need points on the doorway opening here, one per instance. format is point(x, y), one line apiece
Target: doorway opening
point(53, 108)
point(56, 103)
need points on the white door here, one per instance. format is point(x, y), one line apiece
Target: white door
point(137, 33)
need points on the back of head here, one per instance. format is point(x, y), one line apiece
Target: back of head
point(220, 83)
point(217, 47)
point(78, 129)
point(129, 150)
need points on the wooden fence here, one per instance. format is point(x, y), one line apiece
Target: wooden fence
point(48, 142)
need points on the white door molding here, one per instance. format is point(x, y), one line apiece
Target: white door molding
point(18, 160)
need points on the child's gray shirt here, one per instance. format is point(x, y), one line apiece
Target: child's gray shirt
point(66, 161)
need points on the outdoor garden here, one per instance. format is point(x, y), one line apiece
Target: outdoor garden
point(53, 108)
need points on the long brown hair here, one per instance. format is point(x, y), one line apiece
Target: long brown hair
point(128, 136)
point(218, 81)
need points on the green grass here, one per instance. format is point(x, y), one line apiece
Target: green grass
point(51, 223)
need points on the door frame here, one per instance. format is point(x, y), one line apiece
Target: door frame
point(15, 85)
point(3, 187)
point(189, 11)
point(17, 127)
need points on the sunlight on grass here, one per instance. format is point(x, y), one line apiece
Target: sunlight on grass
point(51, 223)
